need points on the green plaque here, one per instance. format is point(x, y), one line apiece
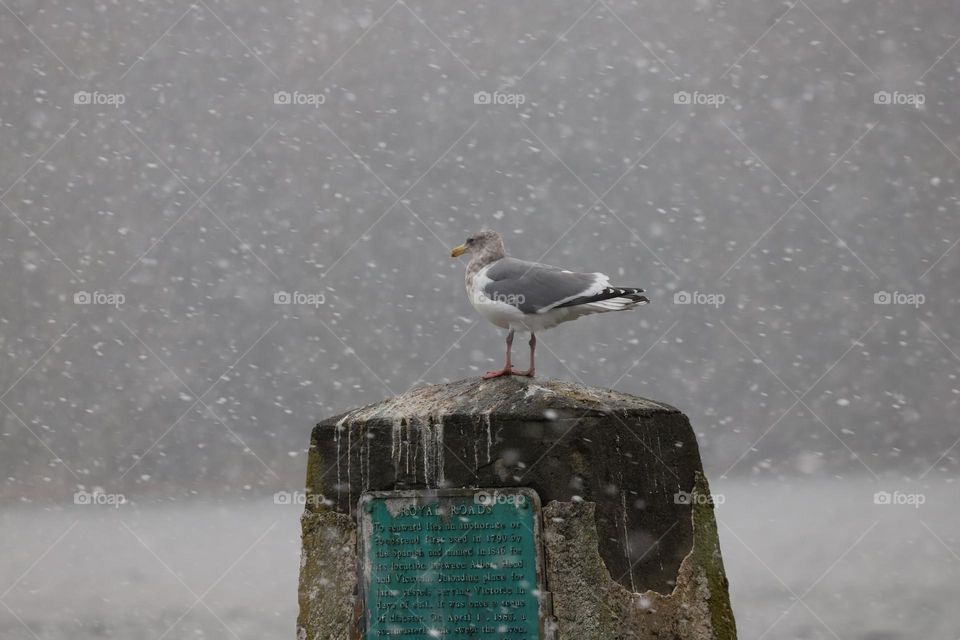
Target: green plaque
point(455, 564)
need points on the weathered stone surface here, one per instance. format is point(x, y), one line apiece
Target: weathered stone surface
point(589, 605)
point(606, 465)
point(328, 574)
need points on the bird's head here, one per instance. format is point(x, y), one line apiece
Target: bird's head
point(482, 243)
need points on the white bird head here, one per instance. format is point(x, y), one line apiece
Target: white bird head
point(483, 244)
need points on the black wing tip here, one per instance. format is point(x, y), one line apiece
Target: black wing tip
point(631, 293)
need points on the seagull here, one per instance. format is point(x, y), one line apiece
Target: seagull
point(528, 296)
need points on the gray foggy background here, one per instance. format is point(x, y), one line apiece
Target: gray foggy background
point(170, 171)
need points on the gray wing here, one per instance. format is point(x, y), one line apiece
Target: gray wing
point(534, 287)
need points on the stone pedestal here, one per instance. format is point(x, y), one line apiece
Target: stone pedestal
point(628, 533)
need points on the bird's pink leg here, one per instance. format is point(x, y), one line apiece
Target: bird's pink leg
point(533, 347)
point(507, 367)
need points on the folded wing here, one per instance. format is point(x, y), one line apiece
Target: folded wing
point(537, 288)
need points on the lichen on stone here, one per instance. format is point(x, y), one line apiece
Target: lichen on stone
point(328, 575)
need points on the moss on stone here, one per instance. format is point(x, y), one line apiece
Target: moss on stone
point(314, 475)
point(706, 554)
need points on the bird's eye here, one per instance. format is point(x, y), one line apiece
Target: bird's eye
point(470, 240)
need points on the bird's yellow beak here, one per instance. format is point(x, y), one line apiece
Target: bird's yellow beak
point(458, 251)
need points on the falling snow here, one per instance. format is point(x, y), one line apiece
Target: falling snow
point(224, 222)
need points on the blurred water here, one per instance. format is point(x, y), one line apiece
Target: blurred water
point(863, 571)
point(137, 571)
point(874, 572)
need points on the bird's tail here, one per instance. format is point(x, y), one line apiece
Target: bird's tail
point(610, 299)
